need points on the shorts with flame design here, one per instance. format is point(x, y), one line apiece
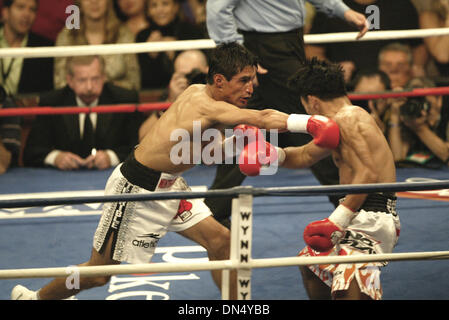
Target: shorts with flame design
point(375, 230)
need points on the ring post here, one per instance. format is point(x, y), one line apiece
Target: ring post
point(241, 238)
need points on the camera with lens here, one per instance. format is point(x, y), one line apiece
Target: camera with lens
point(196, 76)
point(413, 106)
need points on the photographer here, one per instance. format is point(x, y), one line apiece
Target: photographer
point(417, 130)
point(373, 81)
point(190, 67)
point(10, 134)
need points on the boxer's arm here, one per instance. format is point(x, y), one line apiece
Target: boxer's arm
point(304, 156)
point(230, 115)
point(324, 130)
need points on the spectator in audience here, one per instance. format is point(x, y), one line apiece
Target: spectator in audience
point(190, 67)
point(100, 25)
point(373, 81)
point(51, 18)
point(353, 56)
point(194, 11)
point(10, 132)
point(396, 60)
point(418, 128)
point(438, 47)
point(18, 75)
point(133, 13)
point(166, 24)
point(105, 139)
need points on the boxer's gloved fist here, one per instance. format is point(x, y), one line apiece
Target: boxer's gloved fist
point(258, 155)
point(242, 135)
point(322, 235)
point(248, 133)
point(325, 131)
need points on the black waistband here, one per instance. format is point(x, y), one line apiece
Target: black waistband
point(384, 201)
point(140, 175)
point(264, 34)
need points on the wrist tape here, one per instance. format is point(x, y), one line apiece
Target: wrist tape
point(342, 216)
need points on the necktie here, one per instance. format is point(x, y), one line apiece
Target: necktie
point(88, 141)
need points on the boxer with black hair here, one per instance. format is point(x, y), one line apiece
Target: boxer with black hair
point(362, 223)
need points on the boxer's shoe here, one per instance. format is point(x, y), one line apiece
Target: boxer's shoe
point(21, 293)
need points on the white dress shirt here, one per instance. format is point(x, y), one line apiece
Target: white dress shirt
point(51, 157)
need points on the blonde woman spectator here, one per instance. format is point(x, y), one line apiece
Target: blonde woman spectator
point(437, 17)
point(166, 24)
point(100, 25)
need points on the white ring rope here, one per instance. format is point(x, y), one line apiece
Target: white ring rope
point(127, 48)
point(106, 49)
point(374, 35)
point(170, 267)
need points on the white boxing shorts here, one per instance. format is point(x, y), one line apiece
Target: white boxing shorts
point(137, 226)
point(375, 230)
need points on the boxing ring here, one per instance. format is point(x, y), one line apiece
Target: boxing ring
point(277, 224)
point(255, 195)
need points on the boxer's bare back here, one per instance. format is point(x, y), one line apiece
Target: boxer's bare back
point(362, 145)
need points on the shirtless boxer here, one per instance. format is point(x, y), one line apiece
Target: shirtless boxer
point(130, 231)
point(362, 223)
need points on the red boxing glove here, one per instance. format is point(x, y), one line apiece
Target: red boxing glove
point(322, 235)
point(251, 133)
point(242, 135)
point(257, 155)
point(324, 130)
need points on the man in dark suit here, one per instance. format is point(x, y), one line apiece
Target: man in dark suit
point(9, 135)
point(74, 141)
point(18, 75)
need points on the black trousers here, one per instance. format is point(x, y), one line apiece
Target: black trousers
point(281, 54)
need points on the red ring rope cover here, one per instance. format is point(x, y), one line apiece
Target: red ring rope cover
point(143, 107)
